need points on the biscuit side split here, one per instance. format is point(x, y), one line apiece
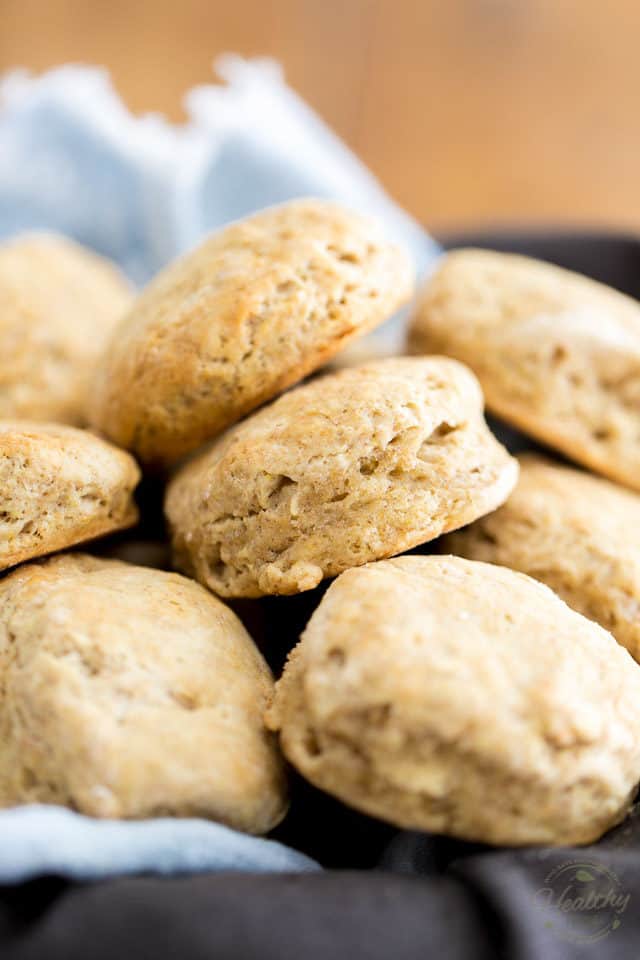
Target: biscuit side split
point(60, 486)
point(352, 467)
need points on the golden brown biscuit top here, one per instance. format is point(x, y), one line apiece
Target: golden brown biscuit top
point(575, 532)
point(337, 419)
point(254, 308)
point(58, 306)
point(352, 467)
point(48, 275)
point(132, 622)
point(557, 354)
point(131, 692)
point(477, 651)
point(475, 291)
point(124, 608)
point(63, 445)
point(576, 499)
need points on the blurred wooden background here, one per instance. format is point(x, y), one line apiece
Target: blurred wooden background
point(468, 110)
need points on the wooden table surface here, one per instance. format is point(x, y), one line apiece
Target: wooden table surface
point(468, 110)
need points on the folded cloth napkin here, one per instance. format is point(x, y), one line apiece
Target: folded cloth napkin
point(141, 191)
point(40, 840)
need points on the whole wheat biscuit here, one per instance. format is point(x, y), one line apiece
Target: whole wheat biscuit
point(59, 304)
point(130, 692)
point(577, 533)
point(462, 698)
point(252, 310)
point(352, 467)
point(557, 354)
point(60, 486)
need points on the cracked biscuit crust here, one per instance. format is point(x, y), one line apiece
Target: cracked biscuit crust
point(577, 533)
point(352, 467)
point(59, 304)
point(60, 486)
point(462, 698)
point(129, 693)
point(254, 309)
point(557, 354)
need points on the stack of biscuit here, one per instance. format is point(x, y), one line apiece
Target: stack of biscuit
point(483, 687)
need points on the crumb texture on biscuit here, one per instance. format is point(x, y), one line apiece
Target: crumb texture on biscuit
point(352, 467)
point(252, 310)
point(59, 304)
point(128, 692)
point(462, 698)
point(557, 354)
point(577, 533)
point(60, 486)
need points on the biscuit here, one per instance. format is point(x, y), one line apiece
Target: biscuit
point(58, 487)
point(59, 304)
point(557, 354)
point(577, 533)
point(462, 698)
point(127, 692)
point(352, 467)
point(254, 309)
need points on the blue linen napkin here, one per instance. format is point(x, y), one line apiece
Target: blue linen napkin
point(141, 191)
point(39, 840)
